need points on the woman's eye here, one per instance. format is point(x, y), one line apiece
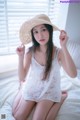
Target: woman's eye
point(35, 32)
point(44, 30)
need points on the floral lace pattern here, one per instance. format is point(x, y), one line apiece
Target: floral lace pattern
point(36, 89)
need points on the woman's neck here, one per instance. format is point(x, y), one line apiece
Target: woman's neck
point(43, 49)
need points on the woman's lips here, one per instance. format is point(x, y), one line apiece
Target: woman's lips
point(42, 40)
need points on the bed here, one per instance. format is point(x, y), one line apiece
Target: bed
point(70, 109)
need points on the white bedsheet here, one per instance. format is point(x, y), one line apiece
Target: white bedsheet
point(70, 109)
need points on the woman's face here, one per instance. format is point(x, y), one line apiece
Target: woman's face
point(41, 34)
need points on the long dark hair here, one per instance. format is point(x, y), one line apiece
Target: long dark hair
point(49, 52)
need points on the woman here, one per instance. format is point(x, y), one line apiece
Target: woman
point(39, 69)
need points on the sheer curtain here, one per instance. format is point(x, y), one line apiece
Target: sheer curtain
point(14, 12)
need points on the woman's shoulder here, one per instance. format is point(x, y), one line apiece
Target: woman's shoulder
point(28, 52)
point(57, 52)
point(57, 48)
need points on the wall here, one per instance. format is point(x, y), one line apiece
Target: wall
point(73, 21)
point(61, 23)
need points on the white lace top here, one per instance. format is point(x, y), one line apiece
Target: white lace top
point(36, 89)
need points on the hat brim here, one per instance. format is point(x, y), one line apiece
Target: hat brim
point(25, 30)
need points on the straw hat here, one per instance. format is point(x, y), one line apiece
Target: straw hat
point(25, 30)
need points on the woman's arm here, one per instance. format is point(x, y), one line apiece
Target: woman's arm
point(24, 62)
point(65, 58)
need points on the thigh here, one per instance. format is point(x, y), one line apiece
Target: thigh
point(42, 109)
point(16, 101)
point(23, 109)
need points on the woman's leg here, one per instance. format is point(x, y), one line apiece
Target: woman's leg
point(22, 108)
point(55, 108)
point(16, 102)
point(42, 109)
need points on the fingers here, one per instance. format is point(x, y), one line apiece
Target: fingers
point(64, 92)
point(20, 49)
point(63, 35)
point(63, 31)
point(22, 45)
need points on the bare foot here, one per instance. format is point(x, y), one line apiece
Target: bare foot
point(64, 96)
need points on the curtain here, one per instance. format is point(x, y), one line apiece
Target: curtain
point(14, 12)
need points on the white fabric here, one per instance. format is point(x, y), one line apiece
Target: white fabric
point(36, 89)
point(70, 110)
point(74, 49)
point(8, 91)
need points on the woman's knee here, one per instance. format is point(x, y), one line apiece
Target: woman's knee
point(38, 117)
point(18, 116)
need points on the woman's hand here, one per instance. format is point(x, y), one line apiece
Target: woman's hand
point(21, 84)
point(20, 50)
point(63, 38)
